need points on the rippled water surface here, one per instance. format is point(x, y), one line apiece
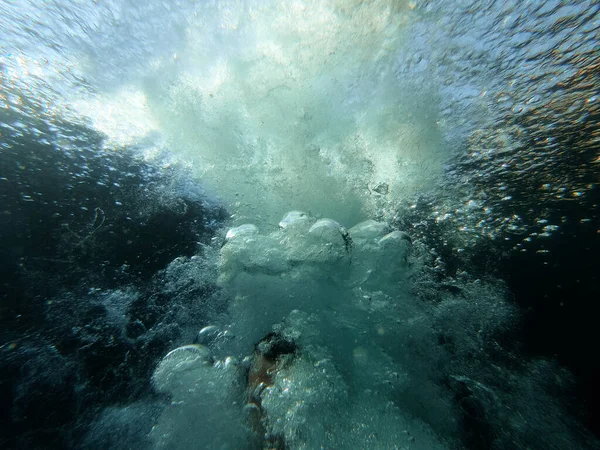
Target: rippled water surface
point(431, 285)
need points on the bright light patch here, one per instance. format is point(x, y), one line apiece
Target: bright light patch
point(124, 117)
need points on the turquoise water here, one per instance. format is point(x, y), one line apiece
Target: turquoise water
point(386, 211)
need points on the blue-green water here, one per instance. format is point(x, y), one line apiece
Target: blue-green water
point(433, 286)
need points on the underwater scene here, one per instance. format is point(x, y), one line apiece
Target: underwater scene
point(299, 224)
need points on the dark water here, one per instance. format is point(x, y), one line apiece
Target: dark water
point(86, 235)
point(108, 257)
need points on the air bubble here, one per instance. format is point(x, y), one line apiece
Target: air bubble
point(207, 335)
point(518, 109)
point(293, 218)
point(243, 230)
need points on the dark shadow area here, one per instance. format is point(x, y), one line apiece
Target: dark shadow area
point(86, 236)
